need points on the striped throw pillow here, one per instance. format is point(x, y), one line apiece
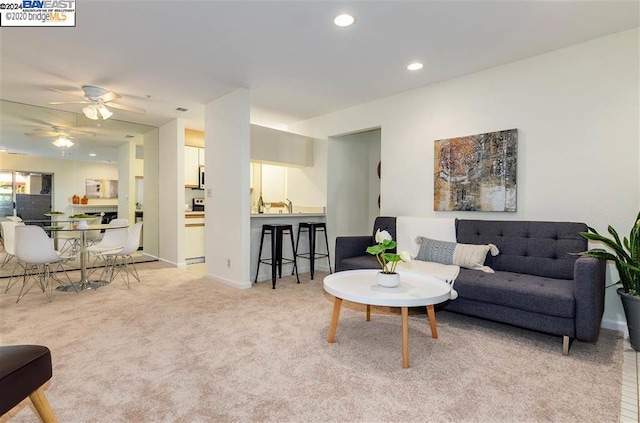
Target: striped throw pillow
point(470, 256)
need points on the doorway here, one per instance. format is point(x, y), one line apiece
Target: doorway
point(353, 185)
point(28, 195)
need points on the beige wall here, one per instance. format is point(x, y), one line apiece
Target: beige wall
point(577, 114)
point(69, 175)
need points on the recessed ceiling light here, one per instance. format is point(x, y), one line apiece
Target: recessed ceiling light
point(415, 66)
point(92, 154)
point(344, 20)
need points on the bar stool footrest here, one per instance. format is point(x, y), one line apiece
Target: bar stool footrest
point(308, 255)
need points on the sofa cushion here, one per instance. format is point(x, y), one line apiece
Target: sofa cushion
point(360, 262)
point(516, 290)
point(535, 248)
point(465, 255)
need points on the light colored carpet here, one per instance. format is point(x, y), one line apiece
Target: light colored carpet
point(181, 348)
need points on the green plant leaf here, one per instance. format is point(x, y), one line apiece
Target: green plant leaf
point(616, 246)
point(391, 257)
point(599, 254)
point(624, 253)
point(389, 244)
point(375, 249)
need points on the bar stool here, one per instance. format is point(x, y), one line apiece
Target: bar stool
point(276, 259)
point(312, 228)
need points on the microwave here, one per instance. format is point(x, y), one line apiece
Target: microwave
point(201, 177)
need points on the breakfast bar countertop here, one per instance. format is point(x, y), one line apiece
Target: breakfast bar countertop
point(284, 215)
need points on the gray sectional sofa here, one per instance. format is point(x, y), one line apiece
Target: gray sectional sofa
point(539, 283)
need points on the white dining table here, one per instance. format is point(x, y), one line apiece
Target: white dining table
point(84, 283)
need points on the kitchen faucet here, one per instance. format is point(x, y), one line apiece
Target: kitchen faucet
point(289, 205)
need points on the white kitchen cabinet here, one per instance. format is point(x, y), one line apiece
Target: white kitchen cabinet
point(194, 236)
point(201, 156)
point(191, 164)
point(270, 145)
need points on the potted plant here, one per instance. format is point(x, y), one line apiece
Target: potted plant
point(82, 219)
point(388, 261)
point(625, 254)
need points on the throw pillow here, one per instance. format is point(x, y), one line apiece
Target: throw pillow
point(470, 256)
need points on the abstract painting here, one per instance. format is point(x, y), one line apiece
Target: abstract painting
point(101, 188)
point(476, 172)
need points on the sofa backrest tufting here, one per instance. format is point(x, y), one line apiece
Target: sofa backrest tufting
point(535, 248)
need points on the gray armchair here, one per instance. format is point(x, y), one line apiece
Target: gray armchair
point(351, 251)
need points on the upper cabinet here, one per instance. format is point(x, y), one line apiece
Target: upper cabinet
point(191, 164)
point(201, 156)
point(193, 157)
point(193, 138)
point(279, 147)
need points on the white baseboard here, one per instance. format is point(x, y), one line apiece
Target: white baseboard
point(228, 282)
point(615, 325)
point(178, 265)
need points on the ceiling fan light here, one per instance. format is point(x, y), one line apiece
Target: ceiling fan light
point(62, 142)
point(104, 112)
point(90, 112)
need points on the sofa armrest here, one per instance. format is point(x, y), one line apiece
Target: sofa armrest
point(589, 279)
point(350, 246)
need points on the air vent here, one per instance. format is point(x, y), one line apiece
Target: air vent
point(129, 136)
point(17, 154)
point(181, 109)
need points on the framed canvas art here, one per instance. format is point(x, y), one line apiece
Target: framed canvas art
point(101, 188)
point(476, 172)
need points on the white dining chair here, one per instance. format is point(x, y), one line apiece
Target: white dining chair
point(9, 233)
point(93, 237)
point(68, 240)
point(121, 261)
point(112, 239)
point(39, 259)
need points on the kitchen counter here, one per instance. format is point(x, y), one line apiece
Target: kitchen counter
point(289, 215)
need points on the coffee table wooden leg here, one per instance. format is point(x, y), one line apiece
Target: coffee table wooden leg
point(368, 313)
point(432, 321)
point(405, 337)
point(337, 303)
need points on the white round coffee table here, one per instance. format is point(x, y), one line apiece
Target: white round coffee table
point(415, 290)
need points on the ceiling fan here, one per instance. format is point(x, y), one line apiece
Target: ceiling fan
point(62, 136)
point(97, 100)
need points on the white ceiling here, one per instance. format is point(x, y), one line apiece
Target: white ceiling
point(296, 63)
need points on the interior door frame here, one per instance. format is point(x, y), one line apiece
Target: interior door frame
point(14, 188)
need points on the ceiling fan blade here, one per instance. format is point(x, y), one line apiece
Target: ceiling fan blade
point(109, 96)
point(70, 102)
point(126, 108)
point(43, 134)
point(72, 94)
